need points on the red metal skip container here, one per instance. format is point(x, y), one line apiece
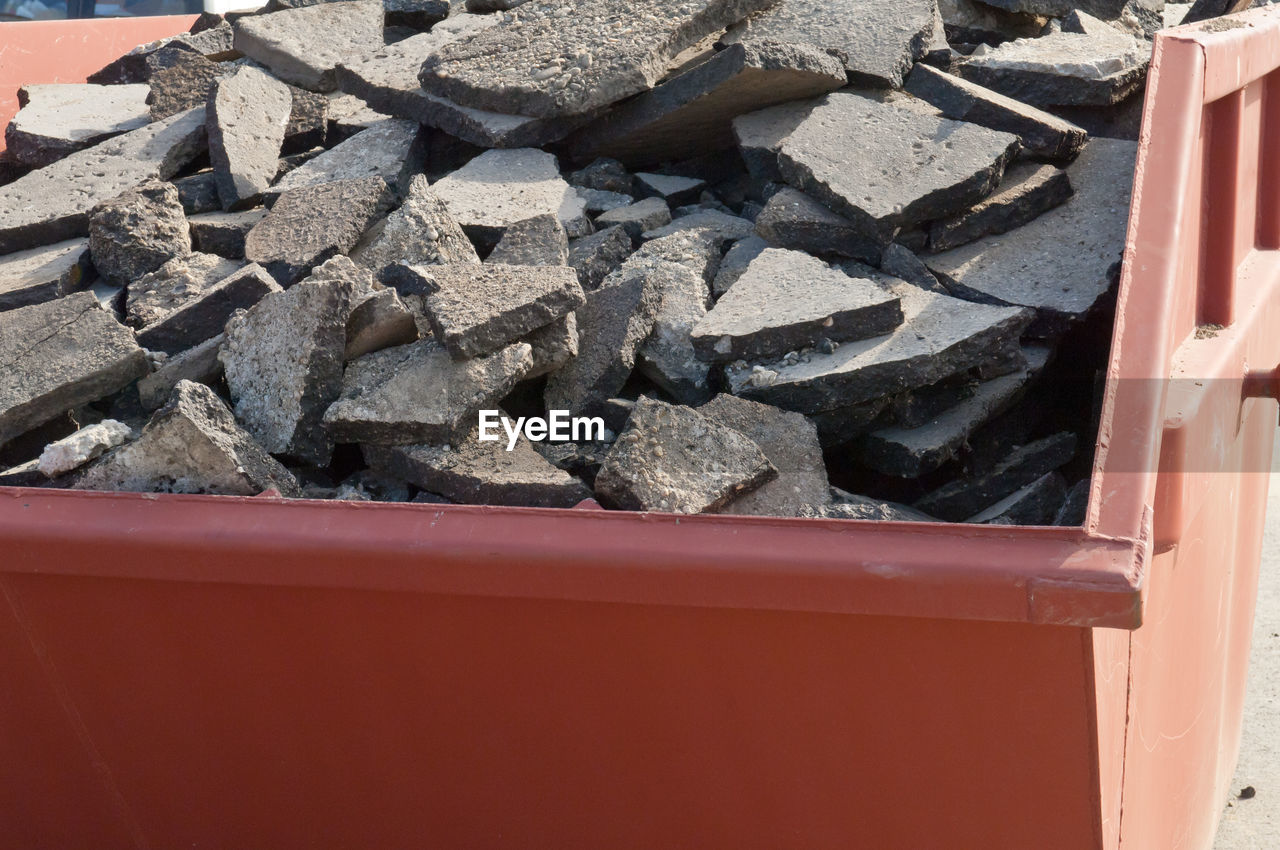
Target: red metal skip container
point(220, 672)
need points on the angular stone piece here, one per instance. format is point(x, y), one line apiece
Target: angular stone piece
point(143, 62)
point(380, 321)
point(198, 193)
point(975, 22)
point(900, 262)
point(1028, 191)
point(185, 83)
point(958, 500)
point(1063, 262)
point(191, 445)
point(43, 274)
point(600, 201)
point(246, 118)
point(553, 346)
point(154, 296)
point(667, 357)
point(199, 363)
point(89, 443)
point(310, 224)
point(672, 188)
point(537, 241)
point(595, 256)
point(524, 65)
point(303, 46)
point(1042, 133)
point(138, 231)
point(736, 262)
point(60, 355)
point(308, 124)
point(205, 314)
point(876, 41)
point(939, 337)
point(697, 250)
point(790, 442)
point(792, 219)
point(674, 459)
point(53, 203)
point(385, 150)
point(348, 115)
point(477, 309)
point(283, 361)
point(223, 233)
point(850, 506)
point(604, 174)
point(637, 218)
point(421, 232)
point(887, 164)
point(1035, 504)
point(61, 118)
point(725, 226)
point(692, 113)
point(761, 133)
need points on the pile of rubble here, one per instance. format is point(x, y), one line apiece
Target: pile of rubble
point(844, 258)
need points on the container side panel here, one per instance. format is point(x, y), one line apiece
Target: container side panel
point(1109, 650)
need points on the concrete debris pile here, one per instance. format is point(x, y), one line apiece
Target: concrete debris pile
point(840, 259)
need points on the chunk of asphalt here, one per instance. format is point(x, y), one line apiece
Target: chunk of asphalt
point(725, 226)
point(138, 231)
point(1041, 133)
point(223, 233)
point(379, 321)
point(88, 443)
point(191, 445)
point(786, 301)
point(667, 357)
point(973, 22)
point(421, 232)
point(553, 346)
point(736, 261)
point(144, 61)
point(671, 188)
point(887, 164)
point(61, 118)
point(902, 263)
point(303, 46)
point(310, 224)
point(198, 193)
point(52, 203)
point(962, 498)
point(792, 219)
point(1035, 504)
point(184, 83)
point(308, 124)
point(790, 442)
point(595, 256)
point(692, 113)
point(500, 187)
point(636, 219)
point(245, 118)
point(178, 282)
point(60, 355)
point(389, 149)
point(760, 134)
point(1109, 9)
point(480, 473)
point(478, 309)
point(1027, 191)
point(1075, 506)
point(599, 201)
point(43, 274)
point(1062, 68)
point(604, 174)
point(348, 115)
point(940, 336)
point(851, 506)
point(877, 42)
point(418, 393)
point(1062, 263)
point(199, 363)
point(283, 361)
point(206, 314)
point(537, 241)
point(673, 459)
point(525, 65)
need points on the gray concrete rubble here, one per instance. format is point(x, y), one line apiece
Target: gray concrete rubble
point(246, 118)
point(385, 150)
point(787, 301)
point(553, 345)
point(191, 445)
point(725, 226)
point(672, 188)
point(138, 231)
point(667, 357)
point(736, 261)
point(379, 321)
point(1035, 504)
point(198, 193)
point(595, 256)
point(347, 115)
point(303, 46)
point(961, 499)
point(605, 174)
point(674, 459)
point(418, 393)
point(760, 135)
point(562, 59)
point(203, 314)
point(60, 355)
point(792, 219)
point(850, 506)
point(43, 274)
point(420, 232)
point(89, 443)
point(182, 84)
point(61, 118)
point(1027, 191)
point(199, 363)
point(904, 264)
point(308, 124)
point(223, 233)
point(537, 241)
point(181, 280)
point(638, 218)
point(697, 250)
point(598, 201)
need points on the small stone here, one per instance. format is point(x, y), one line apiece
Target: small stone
point(138, 231)
point(61, 118)
point(674, 459)
point(223, 233)
point(850, 506)
point(958, 500)
point(417, 393)
point(310, 224)
point(43, 274)
point(422, 232)
point(156, 295)
point(1035, 504)
point(303, 46)
point(1075, 506)
point(203, 314)
point(537, 241)
point(553, 346)
point(604, 174)
point(198, 193)
point(671, 188)
point(1027, 191)
point(69, 453)
point(185, 83)
point(389, 150)
point(637, 218)
point(246, 117)
point(191, 445)
point(667, 357)
point(786, 301)
point(60, 355)
point(379, 321)
point(199, 363)
point(595, 256)
point(792, 219)
point(902, 263)
point(736, 262)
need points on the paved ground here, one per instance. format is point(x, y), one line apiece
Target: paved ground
point(1252, 822)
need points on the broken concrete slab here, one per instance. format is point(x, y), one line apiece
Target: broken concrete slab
point(1035, 504)
point(761, 133)
point(43, 274)
point(692, 113)
point(389, 149)
point(667, 357)
point(790, 442)
point(673, 459)
point(877, 42)
point(199, 363)
point(537, 241)
point(204, 314)
point(283, 362)
point(735, 263)
point(1027, 191)
point(184, 83)
point(223, 233)
point(960, 499)
point(303, 46)
point(379, 321)
point(156, 295)
point(787, 301)
point(89, 443)
point(553, 346)
point(53, 203)
point(1063, 262)
point(310, 224)
point(940, 336)
point(61, 118)
point(1041, 133)
point(138, 231)
point(418, 393)
point(792, 219)
point(725, 226)
point(191, 445)
point(245, 118)
point(420, 232)
point(637, 218)
point(887, 164)
point(562, 59)
point(59, 355)
point(595, 256)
